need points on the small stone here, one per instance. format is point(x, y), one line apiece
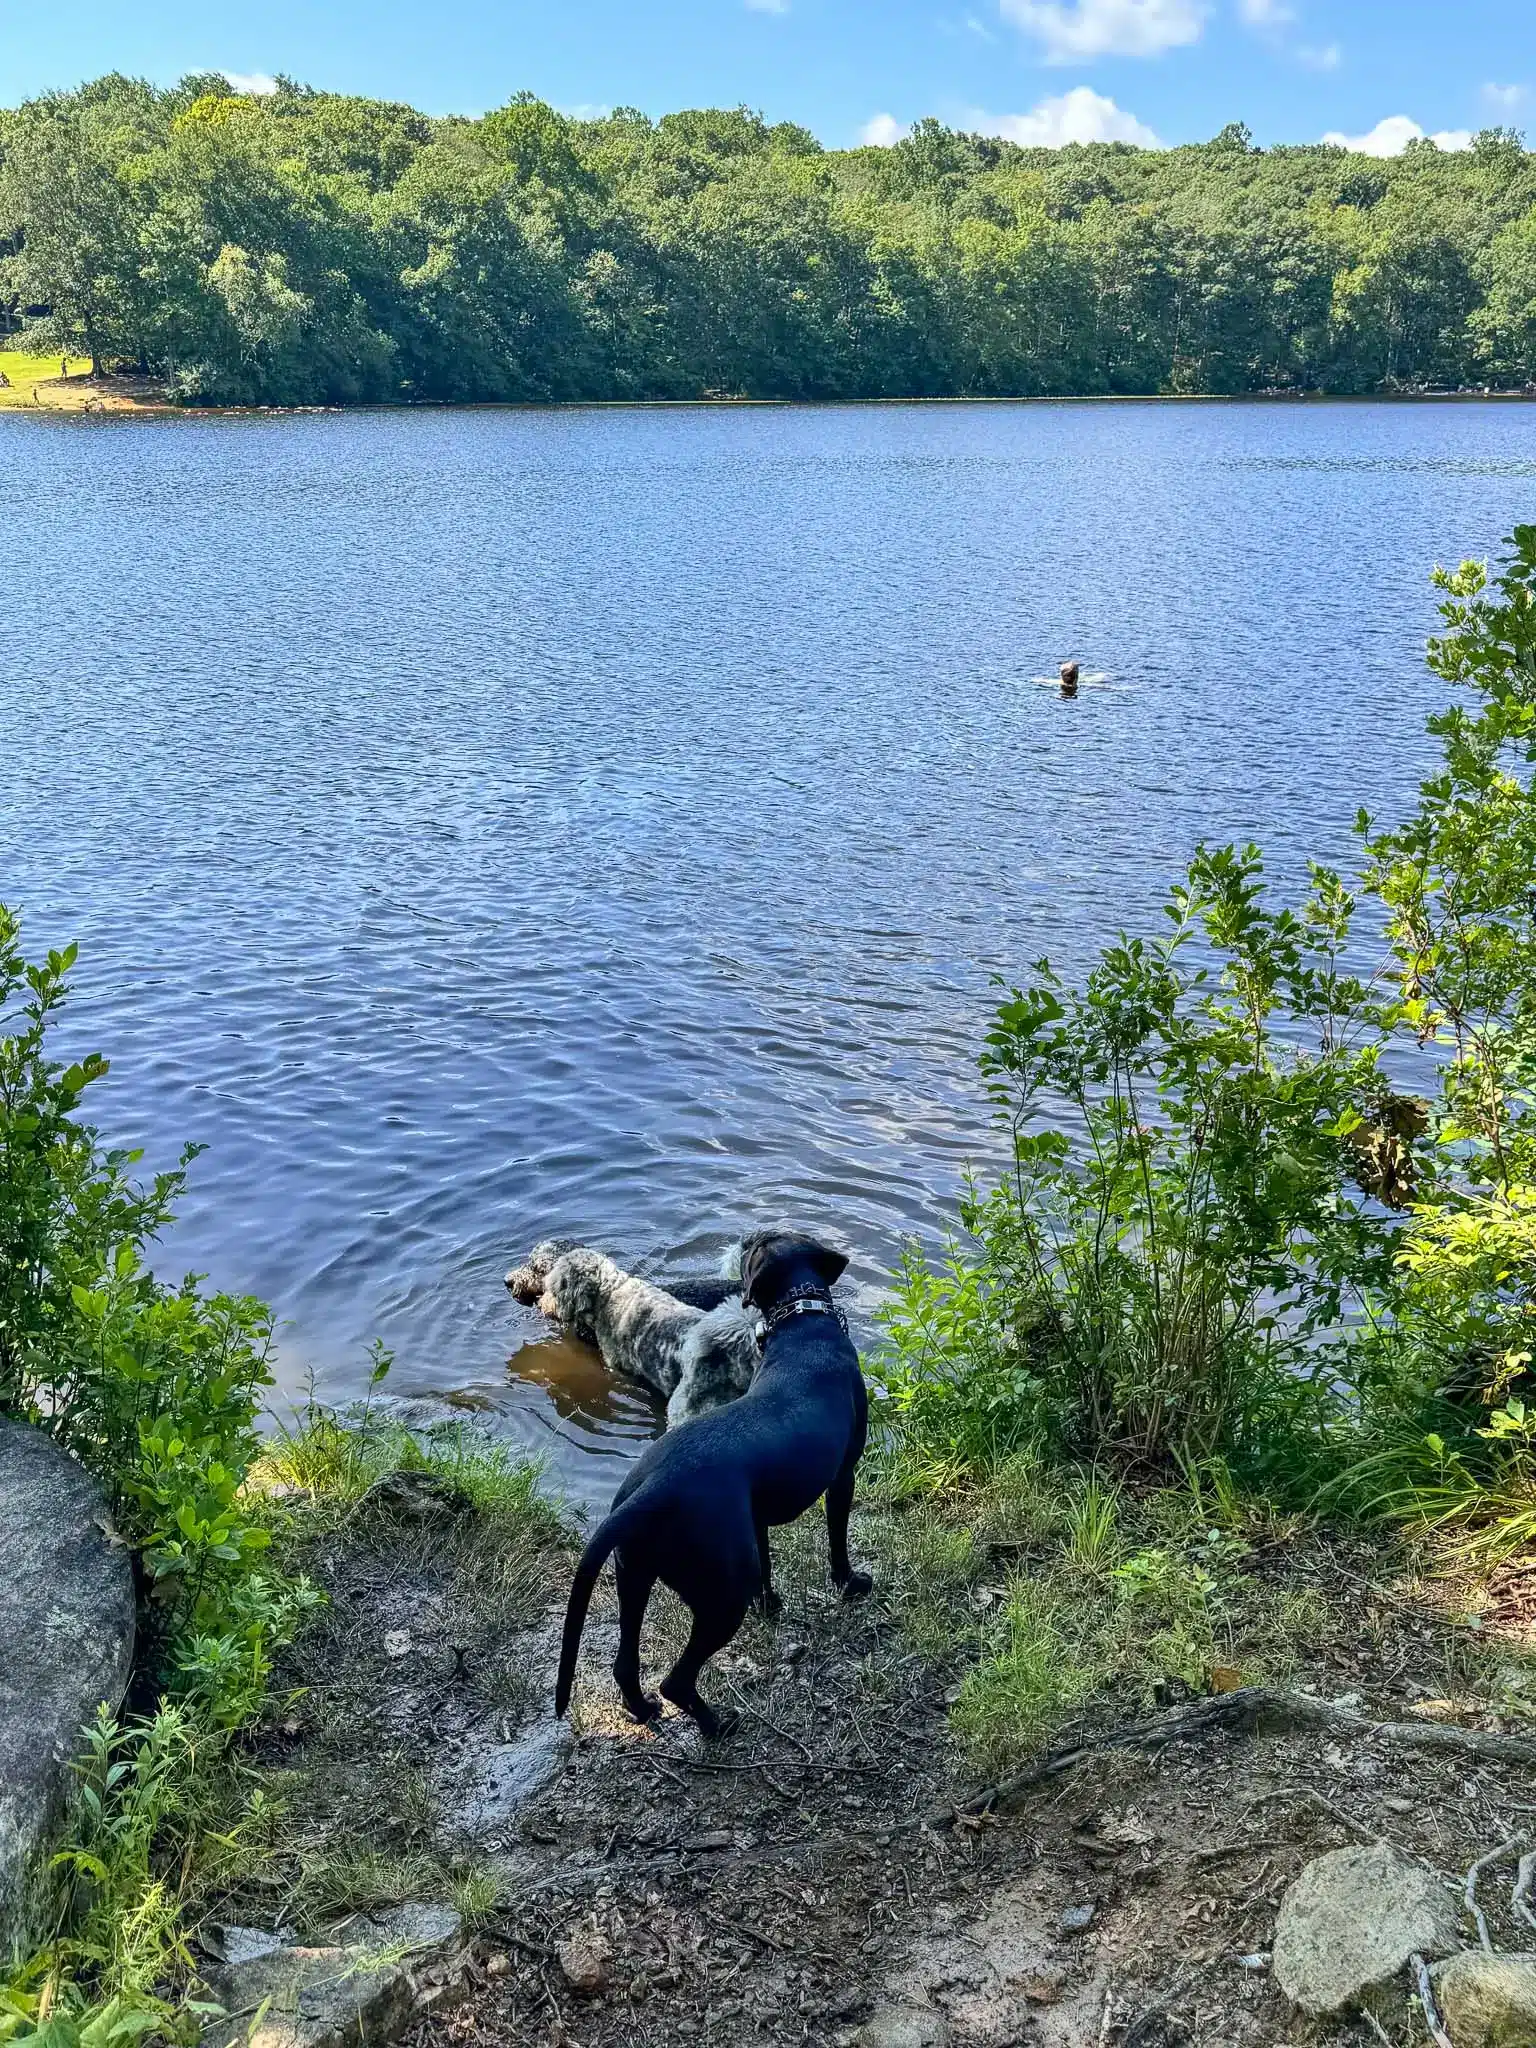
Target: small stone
point(583, 1958)
point(1488, 2001)
point(397, 1643)
point(1351, 1921)
point(1396, 1803)
point(498, 1965)
point(713, 1839)
point(1256, 1962)
point(1044, 1987)
point(1078, 1919)
point(904, 2026)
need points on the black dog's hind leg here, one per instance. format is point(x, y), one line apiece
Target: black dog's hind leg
point(713, 1628)
point(635, 1587)
point(839, 1505)
point(768, 1601)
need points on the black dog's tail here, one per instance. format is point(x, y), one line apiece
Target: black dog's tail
point(606, 1539)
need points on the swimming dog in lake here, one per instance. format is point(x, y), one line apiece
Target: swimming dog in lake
point(526, 1283)
point(695, 1354)
point(696, 1510)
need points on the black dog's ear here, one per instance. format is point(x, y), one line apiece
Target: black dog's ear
point(830, 1265)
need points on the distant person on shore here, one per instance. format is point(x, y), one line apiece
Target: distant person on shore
point(64, 366)
point(1069, 675)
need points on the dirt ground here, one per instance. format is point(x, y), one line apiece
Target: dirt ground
point(805, 1880)
point(28, 388)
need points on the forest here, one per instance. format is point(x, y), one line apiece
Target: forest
point(307, 247)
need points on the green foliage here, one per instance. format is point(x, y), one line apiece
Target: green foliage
point(310, 246)
point(1054, 1591)
point(155, 1389)
point(1227, 1243)
point(1447, 1381)
point(1173, 1239)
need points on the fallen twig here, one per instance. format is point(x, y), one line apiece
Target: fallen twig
point(1155, 2012)
point(1469, 1888)
point(1520, 1901)
point(1305, 1792)
point(1437, 2032)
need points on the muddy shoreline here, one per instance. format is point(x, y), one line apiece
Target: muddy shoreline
point(808, 1881)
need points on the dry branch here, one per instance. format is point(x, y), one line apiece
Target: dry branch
point(1253, 1710)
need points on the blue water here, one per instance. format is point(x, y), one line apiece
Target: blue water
point(485, 824)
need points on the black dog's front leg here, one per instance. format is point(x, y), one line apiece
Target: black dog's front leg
point(768, 1601)
point(839, 1505)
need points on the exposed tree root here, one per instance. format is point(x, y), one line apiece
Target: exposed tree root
point(1252, 1710)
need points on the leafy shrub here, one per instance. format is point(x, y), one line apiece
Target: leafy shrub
point(1446, 1381)
point(155, 1389)
point(1152, 1278)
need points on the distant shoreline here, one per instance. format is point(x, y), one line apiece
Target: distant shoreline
point(96, 398)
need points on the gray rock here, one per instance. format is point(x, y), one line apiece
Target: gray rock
point(1488, 2001)
point(486, 1791)
point(365, 1989)
point(904, 2026)
point(66, 1645)
point(1350, 1922)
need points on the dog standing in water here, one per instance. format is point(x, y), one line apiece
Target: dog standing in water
point(696, 1510)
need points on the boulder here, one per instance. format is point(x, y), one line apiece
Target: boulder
point(66, 1645)
point(1488, 2001)
point(364, 1989)
point(1350, 1922)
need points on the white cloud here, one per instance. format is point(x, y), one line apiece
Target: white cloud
point(768, 6)
point(1080, 115)
point(1320, 56)
point(1393, 135)
point(1072, 29)
point(1504, 99)
point(979, 28)
point(882, 131)
point(1266, 13)
point(256, 83)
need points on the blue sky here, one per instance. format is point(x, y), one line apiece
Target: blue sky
point(1040, 70)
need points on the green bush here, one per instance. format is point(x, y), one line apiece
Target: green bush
point(1448, 1407)
point(1225, 1233)
point(1152, 1279)
point(155, 1389)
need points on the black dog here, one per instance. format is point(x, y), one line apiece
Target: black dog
point(696, 1510)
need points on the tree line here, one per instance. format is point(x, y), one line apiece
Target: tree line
point(309, 247)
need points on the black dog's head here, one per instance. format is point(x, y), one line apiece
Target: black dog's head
point(772, 1261)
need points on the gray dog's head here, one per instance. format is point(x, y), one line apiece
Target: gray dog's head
point(768, 1256)
point(527, 1282)
point(574, 1288)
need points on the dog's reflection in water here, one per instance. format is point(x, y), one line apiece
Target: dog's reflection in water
point(584, 1391)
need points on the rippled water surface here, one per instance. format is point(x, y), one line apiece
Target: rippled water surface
point(483, 825)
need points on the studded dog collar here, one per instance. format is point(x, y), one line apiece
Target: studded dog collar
point(800, 1301)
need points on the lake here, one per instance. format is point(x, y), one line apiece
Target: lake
point(493, 824)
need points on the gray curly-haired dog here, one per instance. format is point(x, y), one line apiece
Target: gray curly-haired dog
point(694, 1357)
point(526, 1283)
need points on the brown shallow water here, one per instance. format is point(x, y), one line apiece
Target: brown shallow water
point(486, 825)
